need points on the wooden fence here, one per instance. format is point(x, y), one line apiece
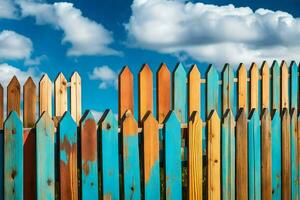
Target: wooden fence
point(234, 137)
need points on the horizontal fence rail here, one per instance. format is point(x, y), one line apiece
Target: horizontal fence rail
point(230, 135)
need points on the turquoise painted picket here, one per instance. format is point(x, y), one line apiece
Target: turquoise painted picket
point(275, 86)
point(13, 157)
point(172, 145)
point(254, 156)
point(212, 90)
point(294, 85)
point(228, 89)
point(294, 154)
point(109, 153)
point(276, 155)
point(228, 156)
point(45, 158)
point(180, 93)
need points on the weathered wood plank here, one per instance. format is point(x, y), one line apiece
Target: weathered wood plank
point(60, 95)
point(45, 158)
point(180, 93)
point(131, 166)
point(294, 154)
point(29, 98)
point(68, 158)
point(89, 157)
point(13, 157)
point(254, 77)
point(242, 88)
point(265, 87)
point(212, 90)
point(286, 155)
point(1, 107)
point(228, 89)
point(76, 97)
point(228, 156)
point(194, 90)
point(254, 155)
point(109, 156)
point(13, 96)
point(294, 81)
point(145, 91)
point(195, 173)
point(284, 86)
point(125, 89)
point(241, 156)
point(214, 157)
point(163, 92)
point(172, 153)
point(45, 95)
point(298, 155)
point(275, 86)
point(276, 155)
point(151, 158)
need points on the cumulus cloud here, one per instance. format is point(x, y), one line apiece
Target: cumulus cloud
point(7, 9)
point(215, 34)
point(106, 76)
point(86, 37)
point(14, 46)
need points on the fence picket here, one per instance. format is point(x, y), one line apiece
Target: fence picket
point(180, 93)
point(13, 156)
point(284, 86)
point(194, 90)
point(68, 158)
point(275, 86)
point(254, 77)
point(89, 157)
point(145, 91)
point(294, 84)
point(214, 157)
point(212, 91)
point(109, 156)
point(131, 164)
point(228, 156)
point(45, 158)
point(76, 97)
point(286, 155)
point(276, 155)
point(60, 95)
point(242, 88)
point(228, 89)
point(126, 97)
point(254, 155)
point(29, 97)
point(1, 107)
point(13, 96)
point(45, 95)
point(241, 156)
point(172, 145)
point(163, 92)
point(265, 85)
point(298, 155)
point(294, 153)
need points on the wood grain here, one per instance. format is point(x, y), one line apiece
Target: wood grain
point(180, 93)
point(254, 77)
point(145, 91)
point(126, 97)
point(60, 95)
point(284, 86)
point(194, 90)
point(276, 86)
point(45, 95)
point(242, 88)
point(29, 108)
point(76, 97)
point(13, 96)
point(265, 87)
point(228, 89)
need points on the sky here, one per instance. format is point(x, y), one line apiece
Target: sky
point(97, 38)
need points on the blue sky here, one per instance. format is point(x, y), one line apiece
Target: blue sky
point(97, 38)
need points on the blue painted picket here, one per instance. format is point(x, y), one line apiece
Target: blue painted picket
point(276, 155)
point(68, 157)
point(172, 145)
point(89, 157)
point(180, 93)
point(294, 152)
point(131, 163)
point(45, 158)
point(254, 156)
point(275, 86)
point(228, 89)
point(109, 153)
point(228, 156)
point(13, 157)
point(212, 90)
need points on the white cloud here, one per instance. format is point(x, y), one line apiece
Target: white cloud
point(106, 76)
point(86, 37)
point(14, 46)
point(216, 34)
point(8, 9)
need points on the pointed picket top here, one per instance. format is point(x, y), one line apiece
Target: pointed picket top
point(1, 107)
point(130, 126)
point(29, 107)
point(194, 88)
point(275, 85)
point(60, 94)
point(212, 90)
point(180, 92)
point(68, 121)
point(294, 84)
point(88, 115)
point(163, 92)
point(265, 73)
point(45, 119)
point(254, 78)
point(108, 119)
point(13, 96)
point(284, 85)
point(242, 87)
point(45, 95)
point(76, 96)
point(126, 97)
point(171, 117)
point(228, 117)
point(145, 91)
point(228, 89)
